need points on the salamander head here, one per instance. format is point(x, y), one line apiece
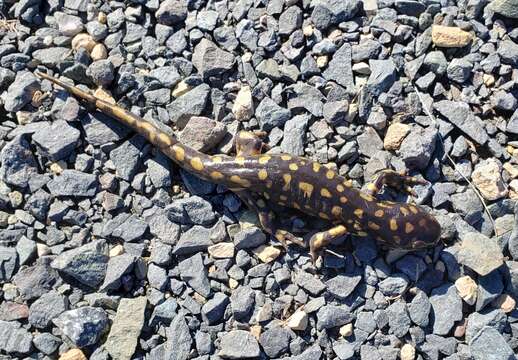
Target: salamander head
point(409, 227)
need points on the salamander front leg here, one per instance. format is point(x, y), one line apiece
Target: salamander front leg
point(395, 180)
point(320, 240)
point(248, 143)
point(267, 219)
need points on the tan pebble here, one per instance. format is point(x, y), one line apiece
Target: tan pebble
point(395, 135)
point(105, 95)
point(23, 117)
point(102, 18)
point(407, 352)
point(83, 40)
point(308, 30)
point(267, 253)
point(362, 68)
point(460, 329)
point(505, 302)
point(116, 250)
point(99, 52)
point(450, 36)
point(223, 250)
point(511, 169)
point(255, 330)
point(73, 354)
point(247, 57)
point(180, 89)
point(15, 198)
point(370, 7)
point(298, 320)
point(233, 283)
point(58, 167)
point(467, 289)
point(243, 108)
point(322, 61)
point(489, 80)
point(42, 249)
point(12, 219)
point(346, 330)
point(487, 177)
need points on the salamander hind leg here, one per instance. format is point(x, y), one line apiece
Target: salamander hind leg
point(267, 219)
point(395, 180)
point(321, 239)
point(248, 143)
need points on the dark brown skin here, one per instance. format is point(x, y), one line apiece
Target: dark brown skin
point(293, 182)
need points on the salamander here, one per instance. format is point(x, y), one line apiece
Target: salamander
point(259, 178)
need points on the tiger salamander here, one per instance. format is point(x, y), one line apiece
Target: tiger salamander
point(258, 178)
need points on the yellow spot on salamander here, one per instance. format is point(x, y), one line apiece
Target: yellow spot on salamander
point(197, 164)
point(413, 209)
point(283, 198)
point(296, 206)
point(217, 159)
point(343, 199)
point(293, 166)
point(316, 167)
point(362, 233)
point(373, 225)
point(336, 211)
point(262, 174)
point(339, 230)
point(330, 174)
point(240, 160)
point(409, 228)
point(286, 157)
point(372, 187)
point(358, 213)
point(216, 175)
point(264, 159)
point(325, 193)
point(422, 222)
point(404, 211)
point(366, 197)
point(379, 213)
point(240, 181)
point(287, 180)
point(179, 153)
point(165, 139)
point(340, 188)
point(393, 225)
point(266, 196)
point(307, 188)
point(323, 215)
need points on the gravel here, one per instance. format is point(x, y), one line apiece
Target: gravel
point(109, 250)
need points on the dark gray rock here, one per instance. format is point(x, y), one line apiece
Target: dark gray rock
point(394, 285)
point(34, 281)
point(249, 238)
point(127, 156)
point(57, 140)
point(411, 266)
point(419, 309)
point(490, 287)
point(46, 308)
point(339, 68)
point(446, 308)
point(101, 72)
point(295, 135)
point(490, 341)
point(459, 70)
point(399, 321)
point(172, 12)
point(163, 228)
point(9, 261)
point(290, 20)
point(191, 210)
point(157, 277)
point(51, 57)
point(271, 115)
point(214, 309)
point(86, 264)
point(158, 170)
point(73, 183)
point(210, 60)
point(46, 343)
point(125, 226)
point(101, 129)
point(14, 339)
point(330, 12)
point(330, 316)
point(20, 92)
point(179, 340)
point(238, 344)
point(436, 62)
point(83, 326)
point(194, 273)
point(309, 282)
point(477, 321)
point(275, 341)
point(194, 240)
point(382, 77)
point(189, 104)
point(418, 147)
point(167, 75)
point(242, 302)
point(18, 165)
point(508, 51)
point(117, 267)
point(460, 115)
point(341, 286)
